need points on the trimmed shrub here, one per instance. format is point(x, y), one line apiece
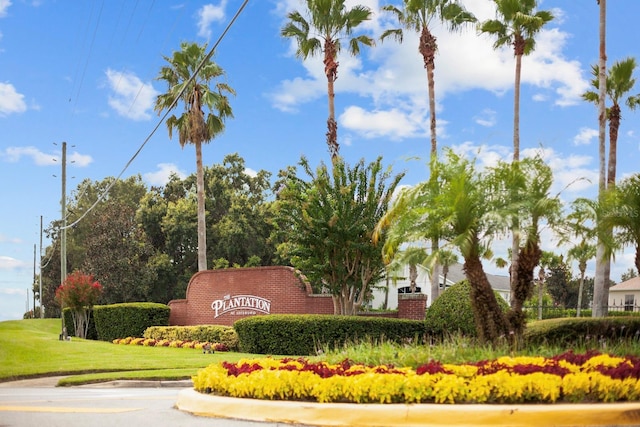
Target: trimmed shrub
point(451, 312)
point(128, 319)
point(582, 331)
point(225, 335)
point(302, 335)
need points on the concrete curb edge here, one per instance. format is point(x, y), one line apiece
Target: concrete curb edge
point(404, 415)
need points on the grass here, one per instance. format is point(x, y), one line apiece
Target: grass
point(31, 348)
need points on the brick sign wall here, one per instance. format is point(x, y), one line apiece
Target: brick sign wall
point(221, 297)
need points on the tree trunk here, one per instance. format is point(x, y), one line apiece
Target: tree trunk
point(202, 223)
point(600, 281)
point(435, 274)
point(331, 71)
point(427, 47)
point(491, 323)
point(580, 290)
point(516, 110)
point(528, 259)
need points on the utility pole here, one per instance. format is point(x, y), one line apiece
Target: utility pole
point(63, 234)
point(40, 269)
point(63, 211)
point(33, 286)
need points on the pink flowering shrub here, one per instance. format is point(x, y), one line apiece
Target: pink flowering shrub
point(79, 292)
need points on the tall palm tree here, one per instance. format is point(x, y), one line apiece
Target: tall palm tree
point(418, 15)
point(517, 24)
point(601, 279)
point(582, 253)
point(188, 75)
point(327, 23)
point(619, 83)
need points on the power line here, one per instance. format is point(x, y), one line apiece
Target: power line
point(164, 116)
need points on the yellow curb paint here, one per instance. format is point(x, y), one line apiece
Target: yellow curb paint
point(66, 409)
point(406, 415)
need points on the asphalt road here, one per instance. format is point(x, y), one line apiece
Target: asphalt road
point(39, 404)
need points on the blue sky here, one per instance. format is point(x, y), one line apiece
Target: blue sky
point(84, 72)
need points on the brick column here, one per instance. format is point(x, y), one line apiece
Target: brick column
point(412, 306)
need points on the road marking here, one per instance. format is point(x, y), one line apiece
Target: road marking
point(66, 409)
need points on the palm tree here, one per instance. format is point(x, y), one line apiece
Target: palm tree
point(619, 83)
point(417, 15)
point(626, 206)
point(517, 25)
point(327, 23)
point(525, 186)
point(582, 253)
point(446, 259)
point(188, 75)
point(467, 216)
point(601, 279)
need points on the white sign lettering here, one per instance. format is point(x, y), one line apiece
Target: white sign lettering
point(241, 305)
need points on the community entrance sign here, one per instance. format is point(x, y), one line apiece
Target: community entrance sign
point(221, 297)
point(241, 305)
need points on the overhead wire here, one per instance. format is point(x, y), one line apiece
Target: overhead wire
point(164, 116)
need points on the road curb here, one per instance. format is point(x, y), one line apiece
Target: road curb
point(406, 415)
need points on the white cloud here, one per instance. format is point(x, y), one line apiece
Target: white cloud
point(585, 136)
point(210, 13)
point(131, 97)
point(486, 118)
point(10, 100)
point(392, 75)
point(5, 239)
point(572, 173)
point(372, 124)
point(8, 263)
point(14, 154)
point(161, 176)
point(79, 160)
point(4, 5)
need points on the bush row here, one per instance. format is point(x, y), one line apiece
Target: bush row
point(582, 331)
point(150, 342)
point(202, 333)
point(109, 322)
point(290, 334)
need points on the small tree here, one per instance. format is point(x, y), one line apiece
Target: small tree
point(79, 293)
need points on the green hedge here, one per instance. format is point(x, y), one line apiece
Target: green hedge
point(302, 335)
point(128, 319)
point(582, 331)
point(204, 333)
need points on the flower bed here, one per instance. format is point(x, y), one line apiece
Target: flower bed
point(568, 377)
point(150, 342)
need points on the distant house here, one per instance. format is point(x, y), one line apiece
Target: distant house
point(625, 296)
point(399, 283)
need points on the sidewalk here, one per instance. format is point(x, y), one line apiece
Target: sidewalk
point(53, 382)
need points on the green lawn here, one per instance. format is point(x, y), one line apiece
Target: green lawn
point(31, 348)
